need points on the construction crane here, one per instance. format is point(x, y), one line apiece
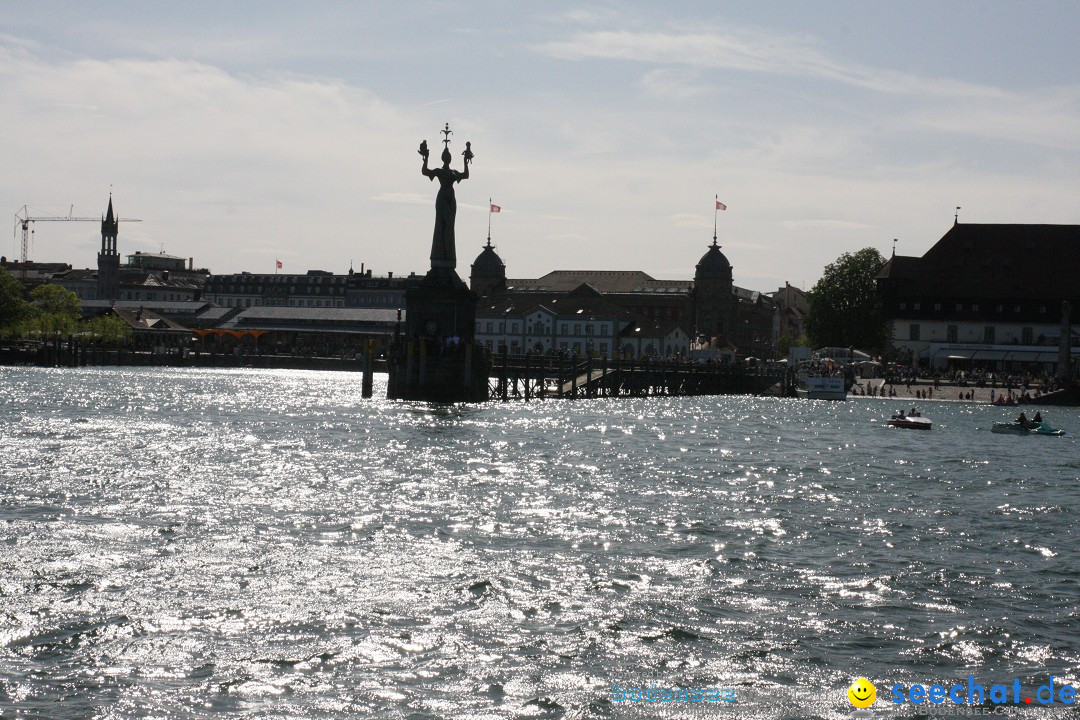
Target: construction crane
point(23, 219)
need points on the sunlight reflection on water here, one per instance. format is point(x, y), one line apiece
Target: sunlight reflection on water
point(267, 543)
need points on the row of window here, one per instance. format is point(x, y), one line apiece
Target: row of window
point(258, 290)
point(293, 302)
point(284, 279)
point(495, 326)
point(164, 297)
point(1027, 334)
point(999, 308)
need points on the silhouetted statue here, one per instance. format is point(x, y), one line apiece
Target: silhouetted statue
point(443, 247)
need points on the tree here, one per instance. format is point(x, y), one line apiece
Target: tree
point(57, 309)
point(13, 307)
point(845, 310)
point(109, 329)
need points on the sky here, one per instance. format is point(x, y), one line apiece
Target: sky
point(242, 133)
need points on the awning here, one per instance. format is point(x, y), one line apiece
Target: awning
point(1003, 355)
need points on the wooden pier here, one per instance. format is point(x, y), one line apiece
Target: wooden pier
point(528, 377)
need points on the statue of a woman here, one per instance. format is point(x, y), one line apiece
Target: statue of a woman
point(443, 252)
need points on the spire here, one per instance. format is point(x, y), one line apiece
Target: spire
point(109, 215)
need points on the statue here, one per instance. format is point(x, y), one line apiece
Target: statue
point(443, 251)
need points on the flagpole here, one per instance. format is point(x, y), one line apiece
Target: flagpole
point(715, 213)
point(489, 222)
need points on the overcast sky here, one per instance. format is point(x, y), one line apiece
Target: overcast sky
point(244, 132)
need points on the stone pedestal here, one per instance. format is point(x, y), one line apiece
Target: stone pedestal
point(436, 359)
point(440, 309)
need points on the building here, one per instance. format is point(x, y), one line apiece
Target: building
point(150, 331)
point(985, 295)
point(150, 278)
point(655, 317)
point(793, 307)
point(314, 289)
point(302, 330)
point(31, 273)
point(580, 322)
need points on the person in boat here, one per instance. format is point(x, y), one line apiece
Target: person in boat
point(1037, 420)
point(913, 413)
point(1022, 421)
point(899, 415)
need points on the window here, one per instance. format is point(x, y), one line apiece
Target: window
point(488, 329)
point(913, 332)
point(937, 306)
point(959, 307)
point(903, 306)
point(950, 334)
point(974, 307)
point(917, 306)
point(1027, 335)
point(989, 334)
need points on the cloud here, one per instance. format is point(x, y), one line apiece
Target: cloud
point(402, 198)
point(237, 156)
point(676, 84)
point(748, 50)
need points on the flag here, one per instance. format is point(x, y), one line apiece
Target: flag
point(279, 265)
point(720, 205)
point(495, 208)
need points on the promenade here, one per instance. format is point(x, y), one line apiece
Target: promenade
point(942, 393)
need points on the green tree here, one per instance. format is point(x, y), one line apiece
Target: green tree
point(110, 329)
point(57, 310)
point(13, 306)
point(845, 310)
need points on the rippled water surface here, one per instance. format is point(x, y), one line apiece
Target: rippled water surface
point(200, 543)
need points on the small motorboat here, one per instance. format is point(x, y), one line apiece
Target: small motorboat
point(909, 421)
point(1015, 428)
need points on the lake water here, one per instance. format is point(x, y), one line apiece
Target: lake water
point(266, 544)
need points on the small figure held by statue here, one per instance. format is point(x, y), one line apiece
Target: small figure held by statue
point(443, 247)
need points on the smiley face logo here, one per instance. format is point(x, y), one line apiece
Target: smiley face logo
point(862, 693)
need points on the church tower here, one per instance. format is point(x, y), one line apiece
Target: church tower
point(108, 259)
